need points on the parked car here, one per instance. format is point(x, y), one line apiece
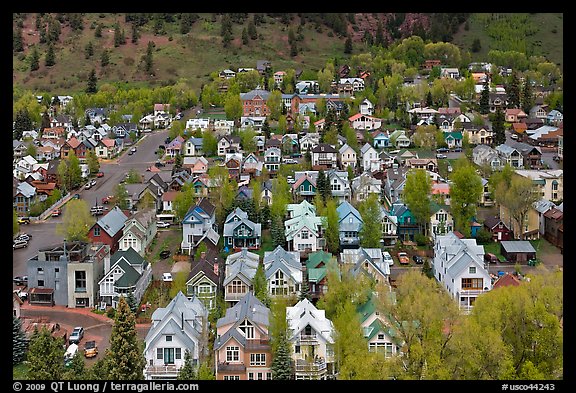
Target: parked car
point(165, 254)
point(24, 220)
point(442, 150)
point(100, 174)
point(162, 224)
point(22, 294)
point(76, 335)
point(440, 156)
point(56, 212)
point(76, 196)
point(167, 277)
point(93, 182)
point(167, 140)
point(418, 259)
point(88, 186)
point(69, 354)
point(388, 258)
point(20, 280)
point(133, 150)
point(490, 258)
point(19, 244)
point(107, 199)
point(158, 164)
point(23, 236)
point(90, 349)
point(403, 258)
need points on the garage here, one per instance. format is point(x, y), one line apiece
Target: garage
point(517, 250)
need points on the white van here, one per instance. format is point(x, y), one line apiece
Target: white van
point(70, 352)
point(387, 258)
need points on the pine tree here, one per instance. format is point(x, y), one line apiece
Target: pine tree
point(50, 59)
point(485, 99)
point(34, 60)
point(92, 82)
point(19, 342)
point(245, 37)
point(380, 39)
point(277, 231)
point(281, 362)
point(348, 46)
point(125, 356)
point(429, 100)
point(187, 372)
point(498, 127)
point(105, 58)
point(304, 290)
point(132, 303)
point(22, 123)
point(89, 50)
point(148, 59)
point(527, 96)
point(77, 368)
point(252, 33)
point(45, 356)
point(266, 128)
point(260, 285)
point(135, 33)
point(513, 92)
point(332, 226)
point(17, 42)
point(98, 31)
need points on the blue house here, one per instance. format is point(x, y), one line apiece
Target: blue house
point(381, 139)
point(350, 223)
point(406, 224)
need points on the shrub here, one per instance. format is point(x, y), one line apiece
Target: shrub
point(421, 239)
point(111, 312)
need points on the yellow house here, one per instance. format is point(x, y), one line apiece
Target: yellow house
point(530, 228)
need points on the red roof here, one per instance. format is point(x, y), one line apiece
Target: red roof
point(506, 280)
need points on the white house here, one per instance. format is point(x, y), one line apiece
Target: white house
point(364, 185)
point(199, 223)
point(367, 107)
point(347, 157)
point(197, 123)
point(312, 337)
point(303, 229)
point(369, 158)
point(458, 265)
point(179, 327)
point(283, 272)
point(324, 155)
point(139, 231)
point(364, 122)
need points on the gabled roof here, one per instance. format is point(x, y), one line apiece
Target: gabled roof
point(113, 221)
point(249, 307)
point(324, 148)
point(345, 208)
point(506, 280)
point(303, 314)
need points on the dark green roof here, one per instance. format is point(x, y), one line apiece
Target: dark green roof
point(316, 274)
point(125, 260)
point(434, 207)
point(315, 258)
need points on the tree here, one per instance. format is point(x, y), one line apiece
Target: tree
point(348, 46)
point(148, 59)
point(223, 193)
point(513, 91)
point(332, 227)
point(275, 104)
point(527, 96)
point(119, 37)
point(22, 123)
point(76, 370)
point(476, 45)
point(260, 285)
point(50, 59)
point(92, 162)
point(325, 79)
point(371, 230)
point(416, 195)
point(247, 139)
point(89, 50)
point(205, 372)
point(519, 200)
point(34, 60)
point(45, 356)
point(429, 101)
point(135, 34)
point(187, 372)
point(105, 58)
point(98, 31)
point(233, 107)
point(465, 192)
point(17, 42)
point(485, 98)
point(323, 186)
point(252, 33)
point(121, 196)
point(76, 222)
point(131, 301)
point(91, 87)
point(179, 284)
point(125, 356)
point(281, 366)
point(209, 143)
point(245, 37)
point(19, 342)
point(498, 127)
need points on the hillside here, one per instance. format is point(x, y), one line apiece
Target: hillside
point(198, 53)
point(539, 34)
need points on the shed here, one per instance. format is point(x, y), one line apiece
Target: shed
point(517, 250)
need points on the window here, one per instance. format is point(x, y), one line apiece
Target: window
point(168, 355)
point(80, 280)
point(247, 329)
point(380, 336)
point(296, 348)
point(231, 377)
point(168, 338)
point(472, 270)
point(159, 353)
point(260, 376)
point(232, 354)
point(96, 231)
point(236, 287)
point(40, 270)
point(40, 283)
point(56, 272)
point(305, 235)
point(178, 353)
point(471, 283)
point(257, 359)
point(251, 376)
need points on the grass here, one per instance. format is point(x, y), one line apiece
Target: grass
point(267, 244)
point(20, 371)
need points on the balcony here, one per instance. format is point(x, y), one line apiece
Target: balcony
point(231, 367)
point(257, 345)
point(308, 338)
point(318, 366)
point(234, 297)
point(166, 370)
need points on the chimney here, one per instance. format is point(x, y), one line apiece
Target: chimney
point(182, 326)
point(203, 255)
point(215, 266)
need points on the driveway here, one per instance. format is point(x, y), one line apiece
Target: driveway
point(96, 327)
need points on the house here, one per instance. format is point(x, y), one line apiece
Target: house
point(23, 197)
point(309, 141)
point(399, 140)
point(511, 156)
point(227, 74)
point(127, 273)
point(339, 185)
point(24, 166)
point(446, 72)
point(167, 201)
point(389, 224)
point(379, 331)
point(139, 231)
point(453, 139)
point(350, 223)
point(263, 65)
point(369, 261)
point(199, 223)
point(506, 280)
point(380, 139)
point(233, 163)
point(550, 182)
point(175, 147)
point(554, 117)
point(348, 86)
point(311, 336)
point(441, 221)
point(99, 115)
point(370, 158)
point(324, 156)
point(532, 155)
point(394, 183)
point(54, 132)
point(122, 130)
point(197, 123)
point(544, 136)
point(108, 229)
point(266, 194)
point(364, 185)
point(303, 228)
point(305, 185)
point(498, 229)
point(514, 115)
point(252, 165)
point(179, 327)
point(517, 251)
point(254, 103)
point(272, 159)
point(242, 349)
point(406, 225)
point(484, 155)
point(205, 281)
point(539, 112)
point(240, 232)
point(497, 100)
point(477, 135)
point(228, 144)
point(197, 165)
point(554, 227)
point(429, 164)
point(458, 265)
point(366, 107)
point(279, 78)
point(283, 272)
point(239, 272)
point(17, 302)
point(67, 274)
point(193, 147)
point(316, 268)
point(364, 122)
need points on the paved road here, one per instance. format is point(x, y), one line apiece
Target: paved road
point(44, 232)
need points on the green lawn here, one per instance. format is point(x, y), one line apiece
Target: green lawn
point(267, 244)
point(20, 371)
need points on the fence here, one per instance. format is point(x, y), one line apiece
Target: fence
point(48, 212)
